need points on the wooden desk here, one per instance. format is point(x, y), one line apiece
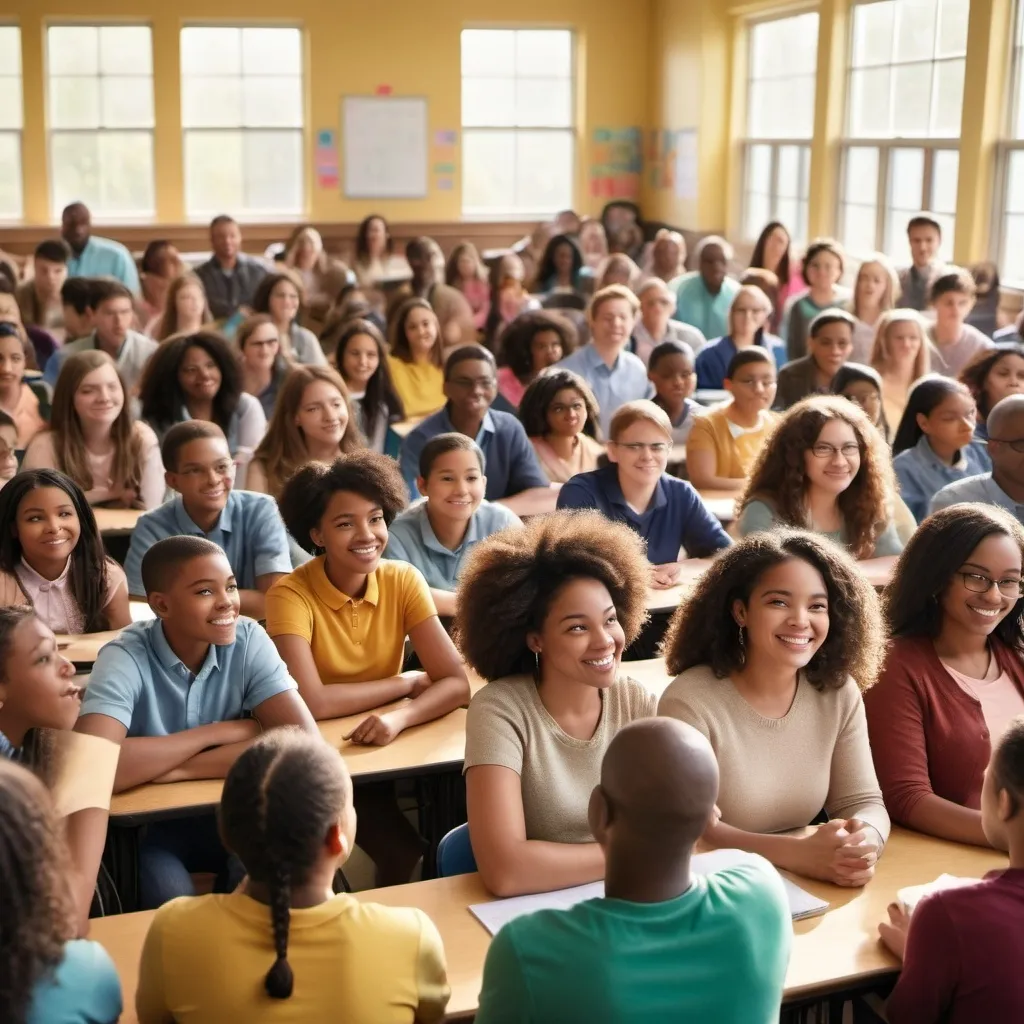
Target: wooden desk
point(82, 649)
point(405, 427)
point(117, 521)
point(721, 504)
point(835, 952)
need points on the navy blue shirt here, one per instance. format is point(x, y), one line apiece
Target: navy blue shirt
point(510, 463)
point(675, 517)
point(713, 360)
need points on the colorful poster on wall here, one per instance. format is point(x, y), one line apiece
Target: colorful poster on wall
point(444, 165)
point(616, 163)
point(325, 158)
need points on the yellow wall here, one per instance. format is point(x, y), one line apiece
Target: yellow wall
point(352, 48)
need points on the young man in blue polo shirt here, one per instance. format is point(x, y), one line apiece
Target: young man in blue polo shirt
point(245, 525)
point(437, 534)
point(183, 695)
point(634, 489)
point(514, 476)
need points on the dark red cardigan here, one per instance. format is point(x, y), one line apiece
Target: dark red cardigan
point(927, 734)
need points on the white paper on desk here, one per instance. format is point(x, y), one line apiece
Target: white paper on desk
point(495, 915)
point(911, 895)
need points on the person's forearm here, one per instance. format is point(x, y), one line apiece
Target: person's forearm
point(210, 764)
point(774, 848)
point(436, 700)
point(145, 758)
point(534, 866)
point(534, 501)
point(86, 834)
point(718, 483)
point(253, 603)
point(444, 601)
point(340, 699)
point(947, 820)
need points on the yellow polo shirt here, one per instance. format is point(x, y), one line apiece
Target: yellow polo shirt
point(353, 641)
point(205, 958)
point(419, 385)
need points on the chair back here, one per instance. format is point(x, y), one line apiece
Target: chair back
point(455, 853)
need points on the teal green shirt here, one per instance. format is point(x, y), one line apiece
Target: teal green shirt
point(717, 953)
point(84, 989)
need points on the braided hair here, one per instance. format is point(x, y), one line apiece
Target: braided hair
point(280, 798)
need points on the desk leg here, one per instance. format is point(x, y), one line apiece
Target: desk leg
point(442, 803)
point(118, 884)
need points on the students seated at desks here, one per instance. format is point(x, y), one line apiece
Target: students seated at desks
point(8, 448)
point(531, 343)
point(924, 234)
point(321, 276)
point(186, 310)
point(901, 355)
point(352, 662)
point(26, 403)
point(76, 311)
point(862, 385)
point(313, 421)
point(454, 317)
point(822, 271)
point(52, 557)
point(829, 344)
point(748, 317)
point(40, 296)
point(362, 362)
point(572, 590)
point(560, 267)
point(436, 534)
point(954, 341)
point(773, 252)
point(825, 469)
point(93, 256)
point(703, 296)
point(113, 313)
point(614, 374)
point(183, 695)
point(264, 367)
point(465, 271)
point(634, 489)
point(375, 257)
point(246, 526)
point(280, 297)
point(229, 276)
point(514, 476)
point(730, 929)
point(992, 375)
point(161, 265)
point(46, 974)
point(953, 677)
point(724, 443)
point(93, 439)
point(671, 372)
point(655, 325)
point(287, 814)
point(771, 650)
point(934, 444)
point(875, 292)
point(415, 359)
point(961, 949)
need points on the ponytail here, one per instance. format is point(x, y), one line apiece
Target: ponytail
point(280, 980)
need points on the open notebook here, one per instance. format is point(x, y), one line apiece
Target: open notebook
point(498, 913)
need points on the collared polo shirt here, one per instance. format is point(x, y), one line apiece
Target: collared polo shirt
point(103, 257)
point(249, 531)
point(624, 381)
point(922, 474)
point(131, 358)
point(411, 539)
point(676, 517)
point(510, 463)
point(226, 292)
point(141, 683)
point(354, 640)
point(696, 306)
point(980, 489)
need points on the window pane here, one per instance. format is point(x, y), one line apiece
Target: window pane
point(544, 102)
point(786, 210)
point(73, 50)
point(111, 172)
point(125, 50)
point(126, 102)
point(948, 100)
point(544, 171)
point(870, 101)
point(758, 212)
point(272, 102)
point(211, 102)
point(488, 102)
point(945, 173)
point(948, 224)
point(759, 169)
point(1015, 183)
point(1012, 263)
point(273, 172)
point(213, 172)
point(75, 102)
point(271, 51)
point(767, 41)
point(860, 181)
point(912, 86)
point(915, 30)
point(858, 228)
point(952, 39)
point(543, 54)
point(488, 171)
point(10, 175)
point(211, 51)
point(780, 94)
point(789, 173)
point(872, 33)
point(10, 50)
point(488, 52)
point(906, 178)
point(11, 107)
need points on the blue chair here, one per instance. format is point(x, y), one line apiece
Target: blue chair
point(455, 854)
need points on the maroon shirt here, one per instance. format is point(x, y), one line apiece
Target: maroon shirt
point(928, 735)
point(964, 962)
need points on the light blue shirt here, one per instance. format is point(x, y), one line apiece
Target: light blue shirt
point(249, 531)
point(131, 357)
point(696, 306)
point(411, 539)
point(140, 682)
point(624, 381)
point(981, 490)
point(85, 988)
point(103, 257)
point(922, 474)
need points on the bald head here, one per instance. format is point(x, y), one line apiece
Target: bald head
point(1006, 420)
point(1006, 425)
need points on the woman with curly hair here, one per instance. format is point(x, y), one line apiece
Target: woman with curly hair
point(531, 343)
point(825, 469)
point(46, 973)
point(340, 623)
point(992, 375)
point(771, 651)
point(571, 588)
point(953, 677)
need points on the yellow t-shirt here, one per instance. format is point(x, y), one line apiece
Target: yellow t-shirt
point(205, 959)
point(419, 385)
point(734, 456)
point(352, 641)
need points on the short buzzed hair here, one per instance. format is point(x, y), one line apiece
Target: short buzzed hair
point(167, 557)
point(53, 249)
point(182, 434)
point(465, 353)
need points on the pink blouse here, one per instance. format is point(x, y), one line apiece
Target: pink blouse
point(1000, 700)
point(52, 599)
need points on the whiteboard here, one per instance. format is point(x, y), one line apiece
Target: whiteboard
point(384, 147)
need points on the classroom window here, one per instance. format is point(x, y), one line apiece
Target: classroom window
point(904, 104)
point(1009, 229)
point(10, 123)
point(100, 118)
point(518, 124)
point(780, 123)
point(242, 118)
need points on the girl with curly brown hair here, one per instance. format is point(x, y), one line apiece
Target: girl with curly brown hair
point(826, 469)
point(571, 590)
point(770, 652)
point(46, 974)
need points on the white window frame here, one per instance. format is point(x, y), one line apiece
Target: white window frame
point(15, 216)
point(1008, 146)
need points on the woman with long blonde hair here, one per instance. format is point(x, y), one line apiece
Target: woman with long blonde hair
point(876, 291)
point(900, 354)
point(186, 310)
point(321, 274)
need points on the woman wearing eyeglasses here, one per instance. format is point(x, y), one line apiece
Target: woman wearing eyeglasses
point(826, 469)
point(634, 489)
point(953, 677)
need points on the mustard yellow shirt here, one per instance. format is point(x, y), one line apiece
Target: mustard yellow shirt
point(205, 958)
point(353, 641)
point(419, 385)
point(734, 456)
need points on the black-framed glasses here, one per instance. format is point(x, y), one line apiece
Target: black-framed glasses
point(1017, 444)
point(979, 583)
